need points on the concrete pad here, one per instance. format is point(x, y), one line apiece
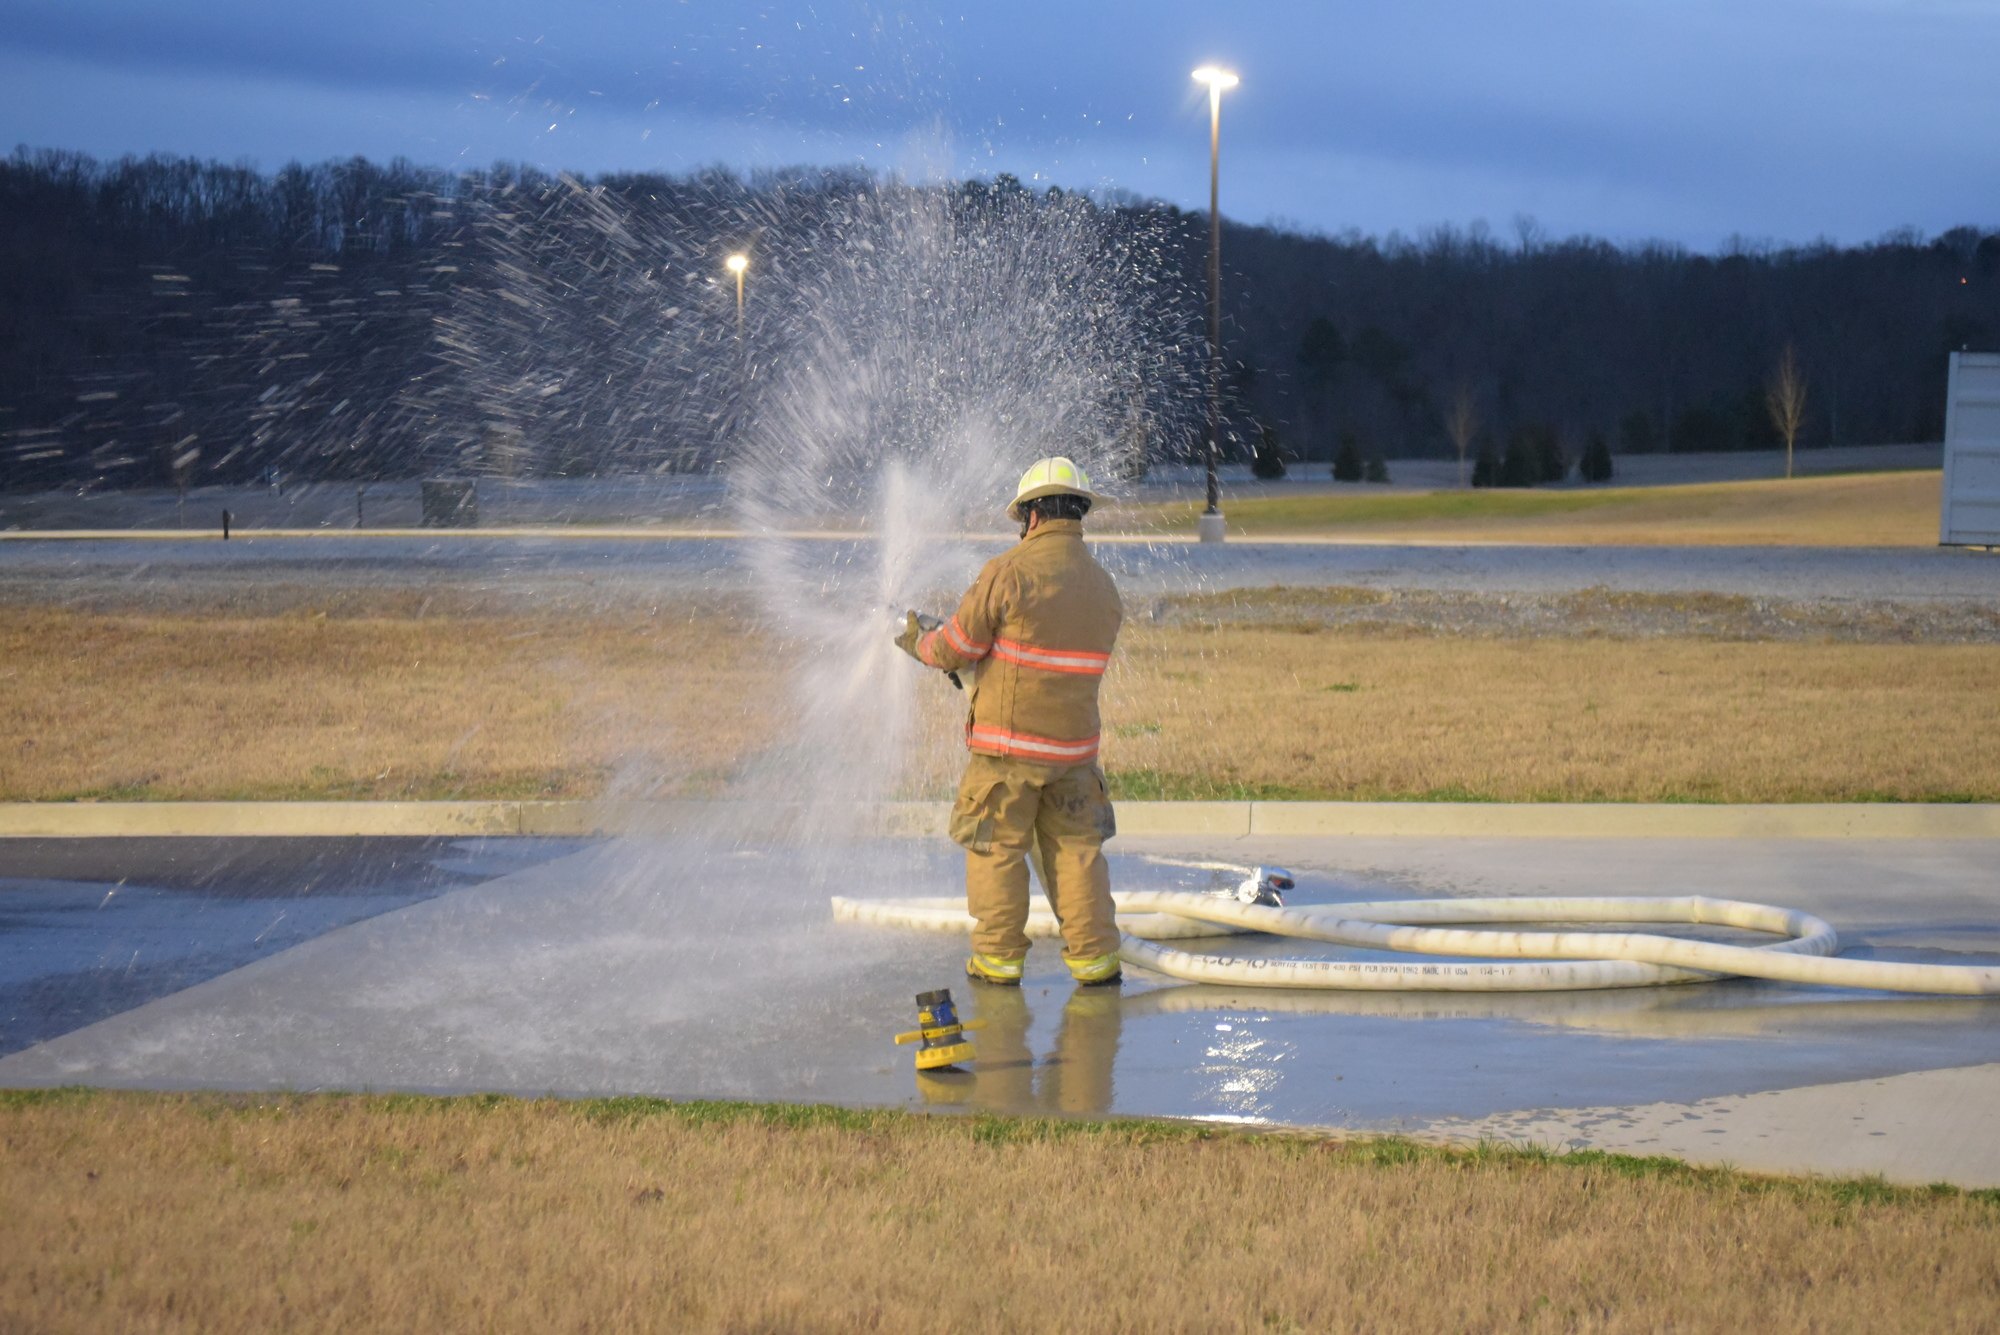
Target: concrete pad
point(1916, 1129)
point(682, 967)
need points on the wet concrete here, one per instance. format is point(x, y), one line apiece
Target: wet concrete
point(90, 928)
point(683, 969)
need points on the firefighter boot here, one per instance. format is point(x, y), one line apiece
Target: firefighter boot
point(992, 969)
point(1097, 971)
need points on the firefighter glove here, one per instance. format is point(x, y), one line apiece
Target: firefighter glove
point(907, 638)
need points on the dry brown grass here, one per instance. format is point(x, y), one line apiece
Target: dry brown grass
point(305, 705)
point(409, 706)
point(1225, 709)
point(206, 1213)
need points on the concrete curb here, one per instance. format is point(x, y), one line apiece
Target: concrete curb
point(552, 532)
point(642, 533)
point(665, 533)
point(1227, 820)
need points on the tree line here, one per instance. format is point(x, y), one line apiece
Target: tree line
point(169, 321)
point(1455, 341)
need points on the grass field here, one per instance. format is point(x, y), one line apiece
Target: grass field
point(1861, 510)
point(162, 1211)
point(1255, 695)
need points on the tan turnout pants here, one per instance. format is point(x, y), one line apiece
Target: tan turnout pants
point(1007, 808)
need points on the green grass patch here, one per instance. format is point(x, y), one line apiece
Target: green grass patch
point(1155, 786)
point(1334, 509)
point(1497, 507)
point(60, 1096)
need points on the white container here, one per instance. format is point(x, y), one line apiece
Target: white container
point(1971, 515)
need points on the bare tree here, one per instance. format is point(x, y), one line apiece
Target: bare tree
point(1529, 231)
point(1785, 400)
point(1461, 423)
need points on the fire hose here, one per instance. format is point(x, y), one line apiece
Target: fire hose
point(1492, 960)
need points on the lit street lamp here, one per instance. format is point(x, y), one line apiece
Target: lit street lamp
point(738, 264)
point(1209, 526)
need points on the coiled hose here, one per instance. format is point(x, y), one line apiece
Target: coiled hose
point(1512, 961)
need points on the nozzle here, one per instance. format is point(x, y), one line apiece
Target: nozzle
point(925, 623)
point(1265, 886)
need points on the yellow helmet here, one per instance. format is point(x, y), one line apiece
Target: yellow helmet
point(1053, 476)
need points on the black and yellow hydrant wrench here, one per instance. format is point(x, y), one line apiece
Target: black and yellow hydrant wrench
point(941, 1033)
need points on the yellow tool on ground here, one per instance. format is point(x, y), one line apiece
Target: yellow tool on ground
point(942, 1034)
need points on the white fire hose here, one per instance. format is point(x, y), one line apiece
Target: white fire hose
point(1514, 961)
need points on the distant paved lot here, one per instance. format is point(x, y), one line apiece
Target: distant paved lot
point(616, 570)
point(704, 498)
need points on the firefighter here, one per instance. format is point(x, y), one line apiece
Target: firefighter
point(1036, 628)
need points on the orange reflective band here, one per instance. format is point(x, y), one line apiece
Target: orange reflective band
point(1079, 661)
point(998, 741)
point(962, 642)
point(971, 652)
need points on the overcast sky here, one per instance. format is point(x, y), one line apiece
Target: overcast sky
point(1689, 120)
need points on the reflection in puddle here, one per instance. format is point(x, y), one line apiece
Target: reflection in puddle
point(1073, 1078)
point(1239, 1071)
point(1239, 1051)
point(1712, 1010)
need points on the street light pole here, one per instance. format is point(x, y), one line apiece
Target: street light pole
point(737, 264)
point(1210, 526)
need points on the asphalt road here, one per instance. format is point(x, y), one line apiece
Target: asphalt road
point(695, 498)
point(540, 569)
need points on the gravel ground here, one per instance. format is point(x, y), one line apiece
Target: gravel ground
point(526, 574)
point(1594, 612)
point(1890, 574)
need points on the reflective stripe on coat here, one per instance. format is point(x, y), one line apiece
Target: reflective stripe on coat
point(1037, 627)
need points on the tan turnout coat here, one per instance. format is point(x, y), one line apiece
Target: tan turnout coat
point(1037, 627)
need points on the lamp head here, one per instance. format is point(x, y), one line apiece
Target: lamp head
point(736, 263)
point(1217, 78)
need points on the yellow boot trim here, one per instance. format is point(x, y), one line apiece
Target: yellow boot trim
point(992, 969)
point(1096, 969)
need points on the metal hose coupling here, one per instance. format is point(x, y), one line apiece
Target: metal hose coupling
point(1264, 885)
